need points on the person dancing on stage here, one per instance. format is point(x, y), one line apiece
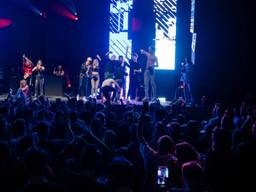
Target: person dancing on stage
point(187, 71)
point(27, 69)
point(135, 76)
point(39, 82)
point(110, 66)
point(95, 73)
point(84, 79)
point(120, 76)
point(149, 74)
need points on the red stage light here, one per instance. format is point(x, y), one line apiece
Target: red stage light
point(5, 23)
point(60, 10)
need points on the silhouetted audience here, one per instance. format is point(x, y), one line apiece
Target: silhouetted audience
point(88, 146)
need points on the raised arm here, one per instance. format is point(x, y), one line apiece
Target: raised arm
point(34, 68)
point(98, 57)
point(142, 51)
point(126, 53)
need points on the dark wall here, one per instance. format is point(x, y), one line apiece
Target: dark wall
point(55, 39)
point(224, 54)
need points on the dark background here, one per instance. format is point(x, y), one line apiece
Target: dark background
point(56, 39)
point(224, 49)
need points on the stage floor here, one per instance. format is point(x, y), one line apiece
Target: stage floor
point(53, 98)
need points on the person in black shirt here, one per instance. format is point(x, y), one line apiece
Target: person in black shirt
point(187, 69)
point(120, 73)
point(39, 83)
point(135, 76)
point(84, 78)
point(110, 67)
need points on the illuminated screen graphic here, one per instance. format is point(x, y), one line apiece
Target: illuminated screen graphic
point(119, 26)
point(165, 37)
point(119, 19)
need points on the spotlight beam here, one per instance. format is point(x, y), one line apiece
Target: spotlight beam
point(5, 23)
point(70, 4)
point(27, 5)
point(63, 11)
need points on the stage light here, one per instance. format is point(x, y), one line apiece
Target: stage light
point(70, 4)
point(28, 5)
point(63, 11)
point(162, 99)
point(5, 23)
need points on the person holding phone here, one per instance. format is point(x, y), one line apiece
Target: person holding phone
point(155, 159)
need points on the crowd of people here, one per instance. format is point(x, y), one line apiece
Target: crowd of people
point(88, 146)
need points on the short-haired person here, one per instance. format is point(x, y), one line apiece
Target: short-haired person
point(187, 71)
point(39, 82)
point(108, 87)
point(135, 75)
point(149, 74)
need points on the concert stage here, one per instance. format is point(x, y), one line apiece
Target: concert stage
point(53, 98)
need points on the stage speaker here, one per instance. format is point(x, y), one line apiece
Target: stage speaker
point(53, 86)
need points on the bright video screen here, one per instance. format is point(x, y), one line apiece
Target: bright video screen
point(165, 36)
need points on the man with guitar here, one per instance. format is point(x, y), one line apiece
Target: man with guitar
point(27, 69)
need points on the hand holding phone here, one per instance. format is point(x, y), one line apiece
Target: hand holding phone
point(162, 176)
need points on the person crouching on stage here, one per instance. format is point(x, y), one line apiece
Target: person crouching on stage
point(39, 83)
point(95, 76)
point(110, 86)
point(27, 69)
point(22, 93)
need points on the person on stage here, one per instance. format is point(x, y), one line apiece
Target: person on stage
point(110, 66)
point(187, 69)
point(120, 75)
point(149, 74)
point(135, 76)
point(22, 93)
point(110, 87)
point(27, 69)
point(59, 71)
point(95, 73)
point(39, 81)
point(83, 88)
